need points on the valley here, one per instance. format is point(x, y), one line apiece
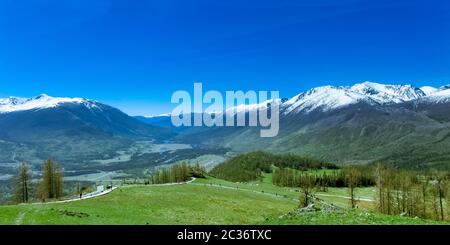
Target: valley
point(402, 128)
point(224, 121)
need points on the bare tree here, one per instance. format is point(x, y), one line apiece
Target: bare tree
point(439, 181)
point(384, 180)
point(352, 179)
point(380, 186)
point(424, 191)
point(306, 182)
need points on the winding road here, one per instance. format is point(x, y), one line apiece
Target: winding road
point(94, 194)
point(283, 196)
point(86, 196)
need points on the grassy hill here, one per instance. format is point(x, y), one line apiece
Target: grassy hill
point(346, 217)
point(249, 166)
point(204, 201)
point(179, 204)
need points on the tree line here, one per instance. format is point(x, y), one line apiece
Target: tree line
point(350, 177)
point(339, 178)
point(49, 187)
point(177, 173)
point(250, 166)
point(410, 193)
point(398, 191)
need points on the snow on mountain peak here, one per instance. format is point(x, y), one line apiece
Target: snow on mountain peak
point(12, 104)
point(444, 87)
point(158, 115)
point(242, 108)
point(428, 90)
point(441, 95)
point(388, 93)
point(330, 97)
point(324, 98)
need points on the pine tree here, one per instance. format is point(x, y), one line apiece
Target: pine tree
point(51, 186)
point(22, 185)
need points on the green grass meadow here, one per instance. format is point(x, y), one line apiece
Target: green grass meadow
point(178, 204)
point(204, 201)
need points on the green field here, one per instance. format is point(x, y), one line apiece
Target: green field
point(332, 195)
point(347, 217)
point(204, 201)
point(179, 204)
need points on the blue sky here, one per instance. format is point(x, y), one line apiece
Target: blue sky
point(134, 54)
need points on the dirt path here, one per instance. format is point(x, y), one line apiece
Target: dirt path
point(346, 197)
point(166, 184)
point(19, 219)
point(282, 196)
point(87, 196)
point(247, 190)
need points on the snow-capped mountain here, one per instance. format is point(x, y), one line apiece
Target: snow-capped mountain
point(72, 130)
point(327, 98)
point(156, 116)
point(437, 96)
point(444, 87)
point(385, 94)
point(57, 116)
point(324, 98)
point(364, 123)
point(43, 117)
point(359, 123)
point(428, 90)
point(242, 108)
point(43, 101)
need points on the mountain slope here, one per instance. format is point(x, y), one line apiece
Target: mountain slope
point(70, 130)
point(328, 98)
point(397, 124)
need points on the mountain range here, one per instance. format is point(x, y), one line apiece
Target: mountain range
point(72, 130)
point(400, 125)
